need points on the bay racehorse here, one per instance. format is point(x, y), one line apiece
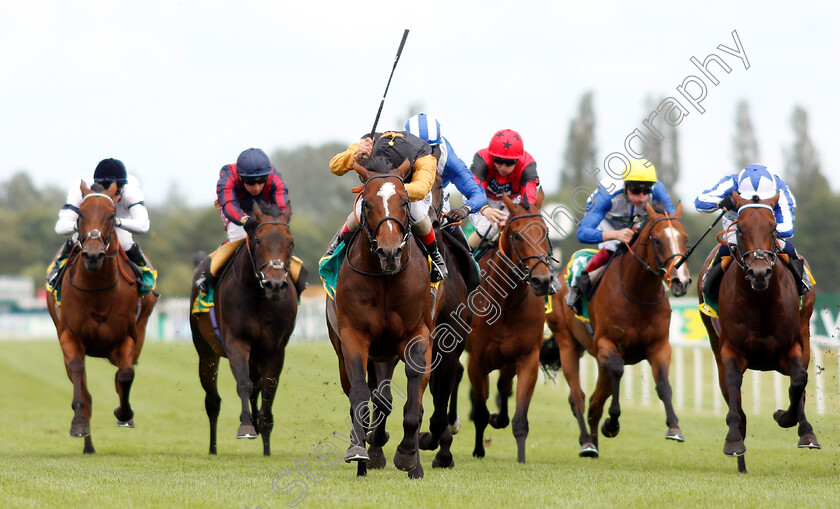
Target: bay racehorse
point(508, 315)
point(101, 313)
point(255, 310)
point(762, 324)
point(630, 316)
point(382, 312)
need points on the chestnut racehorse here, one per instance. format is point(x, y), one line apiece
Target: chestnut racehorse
point(101, 313)
point(382, 312)
point(762, 324)
point(507, 326)
point(256, 307)
point(630, 317)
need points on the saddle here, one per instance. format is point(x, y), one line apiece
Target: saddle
point(467, 265)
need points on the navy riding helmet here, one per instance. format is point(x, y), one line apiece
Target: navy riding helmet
point(253, 163)
point(110, 170)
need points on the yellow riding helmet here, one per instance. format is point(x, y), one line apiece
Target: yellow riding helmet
point(641, 170)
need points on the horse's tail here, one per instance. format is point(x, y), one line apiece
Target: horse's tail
point(550, 355)
point(198, 257)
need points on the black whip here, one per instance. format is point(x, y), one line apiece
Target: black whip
point(381, 104)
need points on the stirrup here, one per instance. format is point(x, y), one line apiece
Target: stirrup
point(201, 284)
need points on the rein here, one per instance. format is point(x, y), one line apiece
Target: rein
point(663, 272)
point(542, 258)
point(758, 254)
point(271, 264)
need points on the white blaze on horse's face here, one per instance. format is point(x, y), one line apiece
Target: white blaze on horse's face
point(674, 238)
point(387, 190)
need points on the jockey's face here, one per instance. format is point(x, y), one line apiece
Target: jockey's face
point(504, 166)
point(254, 186)
point(637, 193)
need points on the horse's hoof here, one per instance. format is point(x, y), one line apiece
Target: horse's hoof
point(427, 441)
point(734, 448)
point(356, 453)
point(588, 450)
point(79, 429)
point(674, 434)
point(407, 462)
point(246, 431)
point(809, 441)
point(442, 460)
point(123, 416)
point(609, 429)
point(455, 428)
point(126, 424)
point(370, 437)
point(416, 473)
point(498, 421)
point(785, 419)
point(478, 453)
point(377, 458)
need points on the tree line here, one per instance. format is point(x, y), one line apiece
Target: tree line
point(321, 202)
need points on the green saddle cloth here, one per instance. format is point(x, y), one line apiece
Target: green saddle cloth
point(576, 265)
point(328, 268)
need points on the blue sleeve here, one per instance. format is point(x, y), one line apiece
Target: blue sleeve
point(660, 194)
point(597, 206)
point(784, 210)
point(457, 172)
point(707, 200)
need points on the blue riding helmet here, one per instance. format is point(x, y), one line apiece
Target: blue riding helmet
point(110, 170)
point(426, 128)
point(756, 180)
point(253, 163)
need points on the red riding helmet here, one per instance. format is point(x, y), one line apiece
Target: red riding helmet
point(506, 144)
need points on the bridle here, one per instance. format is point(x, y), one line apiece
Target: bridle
point(521, 260)
point(95, 234)
point(371, 234)
point(274, 264)
point(663, 270)
point(758, 254)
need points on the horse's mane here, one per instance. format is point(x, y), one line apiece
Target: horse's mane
point(378, 164)
point(97, 187)
point(658, 206)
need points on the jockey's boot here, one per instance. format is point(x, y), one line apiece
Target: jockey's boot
point(581, 287)
point(205, 281)
point(136, 255)
point(711, 281)
point(344, 234)
point(438, 270)
point(55, 270)
point(299, 274)
point(803, 281)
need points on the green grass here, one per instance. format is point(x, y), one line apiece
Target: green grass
point(164, 461)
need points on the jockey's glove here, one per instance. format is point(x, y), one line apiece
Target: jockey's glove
point(727, 203)
point(458, 214)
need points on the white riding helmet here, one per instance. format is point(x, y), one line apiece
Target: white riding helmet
point(756, 181)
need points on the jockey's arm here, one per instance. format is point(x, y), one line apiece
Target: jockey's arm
point(529, 182)
point(137, 219)
point(68, 216)
point(708, 200)
point(343, 162)
point(597, 206)
point(660, 194)
point(425, 171)
point(457, 172)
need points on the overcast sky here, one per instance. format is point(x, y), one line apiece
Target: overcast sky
point(178, 89)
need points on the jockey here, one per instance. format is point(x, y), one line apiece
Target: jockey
point(754, 180)
point(239, 185)
point(450, 166)
point(612, 218)
point(397, 146)
point(502, 168)
point(131, 214)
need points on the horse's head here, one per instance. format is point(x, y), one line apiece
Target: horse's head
point(755, 229)
point(525, 237)
point(270, 246)
point(385, 217)
point(667, 245)
point(96, 224)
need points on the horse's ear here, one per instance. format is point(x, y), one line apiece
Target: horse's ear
point(256, 211)
point(650, 210)
point(679, 209)
point(84, 188)
point(540, 198)
point(112, 189)
point(508, 202)
point(404, 168)
point(774, 200)
point(737, 200)
point(361, 171)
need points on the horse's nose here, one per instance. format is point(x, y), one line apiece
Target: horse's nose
point(759, 277)
point(93, 259)
point(540, 283)
point(680, 287)
point(389, 257)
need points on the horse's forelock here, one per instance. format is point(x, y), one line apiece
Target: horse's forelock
point(378, 164)
point(270, 209)
point(658, 207)
point(97, 187)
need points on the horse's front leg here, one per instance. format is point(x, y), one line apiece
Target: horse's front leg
point(268, 389)
point(380, 380)
point(736, 419)
point(504, 386)
point(796, 411)
point(480, 414)
point(124, 360)
point(354, 350)
point(417, 355)
point(613, 364)
point(74, 363)
point(526, 374)
point(239, 352)
point(660, 361)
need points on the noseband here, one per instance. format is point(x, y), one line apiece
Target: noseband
point(95, 234)
point(758, 254)
point(271, 264)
